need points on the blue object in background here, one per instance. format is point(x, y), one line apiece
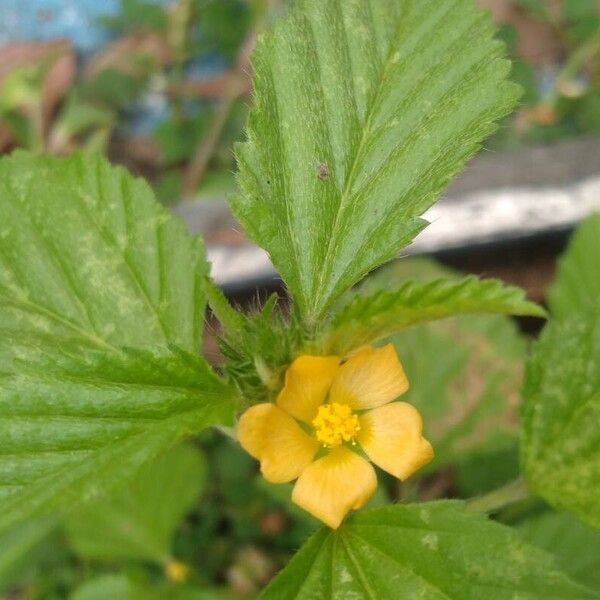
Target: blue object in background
point(78, 21)
point(45, 20)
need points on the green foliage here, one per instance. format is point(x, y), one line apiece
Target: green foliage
point(122, 587)
point(18, 547)
point(139, 522)
point(231, 320)
point(20, 103)
point(177, 140)
point(486, 469)
point(430, 550)
point(560, 415)
point(92, 265)
point(257, 347)
point(367, 318)
point(78, 118)
point(576, 288)
point(465, 374)
point(575, 545)
point(465, 371)
point(90, 260)
point(579, 9)
point(136, 14)
point(111, 88)
point(111, 586)
point(588, 112)
point(75, 425)
point(363, 111)
point(169, 186)
point(582, 20)
point(223, 25)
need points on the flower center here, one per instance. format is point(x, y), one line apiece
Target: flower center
point(335, 423)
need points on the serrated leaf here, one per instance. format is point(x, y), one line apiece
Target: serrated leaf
point(432, 551)
point(139, 522)
point(465, 375)
point(577, 285)
point(368, 318)
point(575, 545)
point(89, 260)
point(560, 415)
point(465, 372)
point(364, 109)
point(231, 320)
point(72, 427)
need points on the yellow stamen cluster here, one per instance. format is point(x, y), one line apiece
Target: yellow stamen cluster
point(335, 423)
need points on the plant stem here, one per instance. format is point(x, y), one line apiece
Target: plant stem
point(178, 40)
point(37, 140)
point(235, 87)
point(575, 63)
point(492, 502)
point(205, 149)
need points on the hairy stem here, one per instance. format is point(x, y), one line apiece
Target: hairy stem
point(492, 502)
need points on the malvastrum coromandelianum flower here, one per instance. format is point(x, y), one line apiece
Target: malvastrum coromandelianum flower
point(327, 415)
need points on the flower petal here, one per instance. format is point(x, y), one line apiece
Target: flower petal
point(307, 382)
point(370, 378)
point(391, 435)
point(270, 435)
point(335, 484)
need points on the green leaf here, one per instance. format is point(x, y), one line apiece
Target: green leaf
point(18, 546)
point(89, 260)
point(121, 587)
point(560, 415)
point(367, 318)
point(79, 117)
point(577, 285)
point(486, 470)
point(431, 551)
point(465, 375)
point(230, 319)
point(364, 110)
point(111, 586)
point(139, 522)
point(72, 427)
point(465, 372)
point(575, 545)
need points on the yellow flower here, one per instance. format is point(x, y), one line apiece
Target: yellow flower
point(326, 410)
point(176, 571)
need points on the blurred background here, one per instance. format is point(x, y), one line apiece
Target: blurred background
point(163, 87)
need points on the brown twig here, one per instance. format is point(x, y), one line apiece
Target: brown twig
point(236, 85)
point(213, 89)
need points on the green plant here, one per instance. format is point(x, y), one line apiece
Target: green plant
point(156, 51)
point(362, 112)
point(562, 93)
